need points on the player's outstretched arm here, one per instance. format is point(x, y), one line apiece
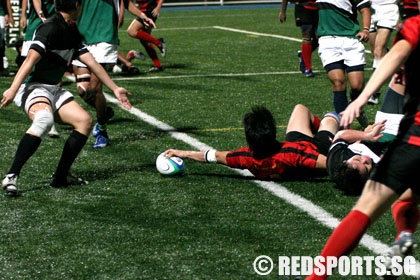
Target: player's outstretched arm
point(210, 156)
point(120, 93)
point(372, 134)
point(390, 64)
point(8, 96)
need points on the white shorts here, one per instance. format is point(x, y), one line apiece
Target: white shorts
point(392, 121)
point(25, 48)
point(2, 26)
point(55, 94)
point(2, 22)
point(338, 48)
point(385, 16)
point(102, 52)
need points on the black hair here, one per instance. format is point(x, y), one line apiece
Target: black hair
point(260, 132)
point(348, 179)
point(66, 5)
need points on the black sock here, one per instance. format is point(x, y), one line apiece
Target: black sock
point(354, 94)
point(26, 148)
point(71, 150)
point(340, 101)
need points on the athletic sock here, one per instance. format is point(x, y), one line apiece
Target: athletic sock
point(102, 130)
point(345, 237)
point(307, 55)
point(26, 148)
point(71, 150)
point(144, 36)
point(151, 53)
point(340, 101)
point(354, 93)
point(406, 216)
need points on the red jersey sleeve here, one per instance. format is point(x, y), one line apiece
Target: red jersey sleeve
point(410, 31)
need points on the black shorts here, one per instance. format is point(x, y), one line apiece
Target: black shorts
point(305, 16)
point(322, 140)
point(407, 13)
point(149, 15)
point(399, 167)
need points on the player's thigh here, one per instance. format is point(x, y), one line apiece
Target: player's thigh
point(134, 26)
point(73, 114)
point(382, 37)
point(300, 120)
point(356, 79)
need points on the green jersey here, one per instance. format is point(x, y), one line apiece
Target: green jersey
point(34, 21)
point(98, 22)
point(339, 17)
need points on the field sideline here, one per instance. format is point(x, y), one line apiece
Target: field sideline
point(211, 223)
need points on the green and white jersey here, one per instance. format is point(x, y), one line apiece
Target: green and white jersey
point(339, 17)
point(98, 22)
point(34, 21)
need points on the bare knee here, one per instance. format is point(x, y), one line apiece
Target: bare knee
point(300, 107)
point(84, 124)
point(338, 83)
point(131, 32)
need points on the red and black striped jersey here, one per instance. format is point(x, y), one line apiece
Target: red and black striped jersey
point(410, 31)
point(411, 4)
point(310, 5)
point(292, 159)
point(147, 5)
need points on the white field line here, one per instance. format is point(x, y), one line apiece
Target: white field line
point(313, 210)
point(258, 34)
point(206, 75)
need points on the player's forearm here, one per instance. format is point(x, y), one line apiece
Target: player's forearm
point(350, 135)
point(366, 17)
point(390, 64)
point(283, 6)
point(210, 156)
point(38, 7)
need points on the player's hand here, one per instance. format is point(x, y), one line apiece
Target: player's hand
point(399, 76)
point(155, 12)
point(149, 23)
point(375, 132)
point(23, 22)
point(42, 16)
point(363, 35)
point(122, 96)
point(174, 153)
point(282, 17)
point(8, 97)
point(352, 111)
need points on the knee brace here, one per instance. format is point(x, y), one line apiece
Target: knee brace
point(42, 123)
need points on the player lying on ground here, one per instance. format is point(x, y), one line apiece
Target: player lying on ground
point(353, 153)
point(305, 147)
point(398, 169)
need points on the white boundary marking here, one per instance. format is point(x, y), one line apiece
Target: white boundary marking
point(313, 210)
point(257, 33)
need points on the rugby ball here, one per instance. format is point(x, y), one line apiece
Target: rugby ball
point(169, 166)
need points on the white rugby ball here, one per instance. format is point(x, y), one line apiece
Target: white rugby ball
point(169, 166)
